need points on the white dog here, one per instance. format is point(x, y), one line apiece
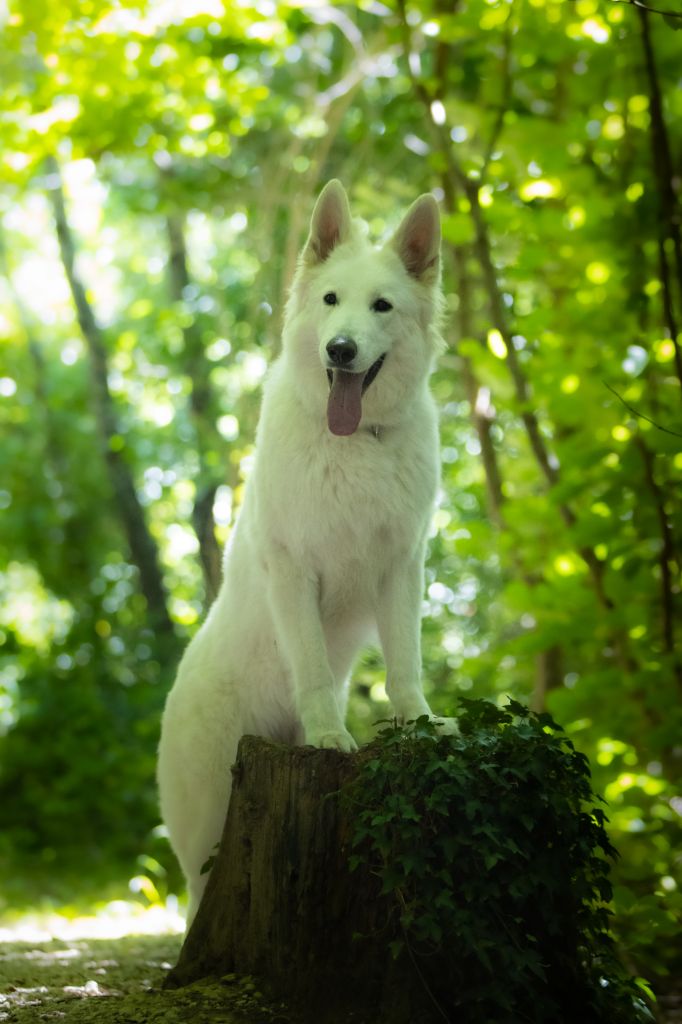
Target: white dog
point(328, 550)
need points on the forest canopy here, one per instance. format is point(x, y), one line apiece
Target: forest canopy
point(159, 162)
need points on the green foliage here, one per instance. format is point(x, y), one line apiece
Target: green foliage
point(496, 856)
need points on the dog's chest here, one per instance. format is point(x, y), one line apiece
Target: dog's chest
point(353, 502)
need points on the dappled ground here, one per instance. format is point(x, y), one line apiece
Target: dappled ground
point(117, 981)
point(109, 967)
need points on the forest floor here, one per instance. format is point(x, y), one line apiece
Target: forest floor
point(119, 981)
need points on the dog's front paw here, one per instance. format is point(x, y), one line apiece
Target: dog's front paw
point(339, 739)
point(447, 726)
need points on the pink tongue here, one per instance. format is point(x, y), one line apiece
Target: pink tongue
point(344, 407)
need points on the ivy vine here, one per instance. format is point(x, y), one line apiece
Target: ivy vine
point(492, 849)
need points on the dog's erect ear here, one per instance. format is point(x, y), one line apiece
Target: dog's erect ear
point(330, 224)
point(417, 240)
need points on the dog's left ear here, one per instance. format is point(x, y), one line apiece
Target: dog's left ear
point(417, 240)
point(330, 224)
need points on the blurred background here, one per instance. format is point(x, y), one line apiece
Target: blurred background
point(159, 162)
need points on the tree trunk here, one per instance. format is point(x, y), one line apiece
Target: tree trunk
point(207, 438)
point(282, 905)
point(143, 549)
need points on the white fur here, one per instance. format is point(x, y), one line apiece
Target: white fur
point(328, 550)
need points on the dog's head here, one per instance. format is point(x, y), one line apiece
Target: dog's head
point(362, 322)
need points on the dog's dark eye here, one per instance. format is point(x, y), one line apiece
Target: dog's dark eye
point(381, 306)
point(331, 299)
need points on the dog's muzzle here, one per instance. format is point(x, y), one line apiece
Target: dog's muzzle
point(346, 386)
point(341, 352)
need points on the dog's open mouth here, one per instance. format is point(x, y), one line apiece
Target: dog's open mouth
point(344, 408)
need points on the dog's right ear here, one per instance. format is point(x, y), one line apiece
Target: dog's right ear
point(330, 224)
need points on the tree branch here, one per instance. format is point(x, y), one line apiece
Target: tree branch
point(669, 214)
point(667, 557)
point(505, 93)
point(639, 415)
point(199, 401)
point(480, 416)
point(74, 570)
point(648, 9)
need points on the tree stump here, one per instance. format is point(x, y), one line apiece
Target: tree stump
point(479, 895)
point(281, 903)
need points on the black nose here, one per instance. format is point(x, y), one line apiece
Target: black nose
point(342, 351)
